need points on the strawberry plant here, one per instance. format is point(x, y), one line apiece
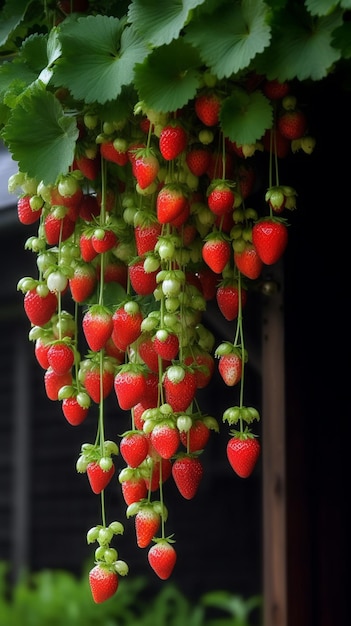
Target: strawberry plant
point(141, 139)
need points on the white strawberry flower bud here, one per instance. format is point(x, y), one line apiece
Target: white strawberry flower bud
point(57, 282)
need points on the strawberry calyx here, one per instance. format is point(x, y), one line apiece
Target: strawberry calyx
point(226, 348)
point(100, 454)
point(220, 184)
point(236, 414)
point(146, 505)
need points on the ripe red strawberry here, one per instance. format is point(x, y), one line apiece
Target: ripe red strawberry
point(144, 283)
point(53, 382)
point(275, 90)
point(60, 357)
point(203, 365)
point(103, 240)
point(216, 251)
point(145, 167)
point(165, 439)
point(41, 350)
point(87, 251)
point(27, 215)
point(109, 153)
point(114, 351)
point(196, 437)
point(130, 385)
point(230, 368)
point(134, 489)
point(207, 108)
point(292, 124)
point(89, 207)
point(209, 281)
point(248, 262)
point(134, 447)
point(148, 354)
point(187, 472)
point(57, 229)
point(147, 523)
point(172, 141)
point(220, 197)
point(150, 397)
point(159, 472)
point(246, 180)
point(227, 297)
point(103, 583)
point(40, 306)
point(127, 321)
point(71, 6)
point(70, 196)
point(243, 452)
point(162, 558)
point(270, 238)
point(180, 387)
point(74, 413)
point(90, 168)
point(170, 203)
point(99, 478)
point(146, 237)
point(97, 326)
point(198, 160)
point(166, 345)
point(83, 282)
point(115, 271)
point(92, 378)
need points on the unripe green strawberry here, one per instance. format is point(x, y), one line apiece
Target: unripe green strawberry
point(103, 583)
point(187, 472)
point(162, 558)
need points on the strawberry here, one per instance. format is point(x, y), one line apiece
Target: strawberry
point(220, 197)
point(130, 385)
point(248, 262)
point(60, 357)
point(41, 350)
point(103, 583)
point(207, 108)
point(146, 237)
point(144, 283)
point(114, 271)
point(170, 203)
point(57, 228)
point(114, 351)
point(246, 180)
point(83, 282)
point(92, 380)
point(160, 471)
point(202, 363)
point(53, 382)
point(127, 321)
point(292, 124)
point(72, 6)
point(275, 90)
point(187, 472)
point(150, 397)
point(87, 251)
point(230, 368)
point(172, 141)
point(147, 523)
point(227, 297)
point(134, 488)
point(147, 353)
point(109, 153)
point(243, 451)
point(134, 447)
point(145, 167)
point(198, 160)
point(99, 478)
point(138, 411)
point(196, 437)
point(270, 238)
point(216, 251)
point(162, 558)
point(89, 207)
point(40, 304)
point(165, 439)
point(103, 240)
point(74, 413)
point(26, 214)
point(97, 326)
point(67, 193)
point(90, 168)
point(166, 345)
point(209, 281)
point(180, 387)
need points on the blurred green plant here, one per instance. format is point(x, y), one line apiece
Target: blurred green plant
point(58, 598)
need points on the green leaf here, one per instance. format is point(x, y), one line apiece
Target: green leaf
point(98, 57)
point(245, 117)
point(169, 77)
point(15, 73)
point(300, 48)
point(233, 35)
point(12, 15)
point(160, 27)
point(341, 39)
point(325, 7)
point(39, 136)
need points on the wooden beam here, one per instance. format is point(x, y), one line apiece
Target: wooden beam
point(273, 453)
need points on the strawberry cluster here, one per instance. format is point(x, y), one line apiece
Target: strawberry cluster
point(151, 223)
